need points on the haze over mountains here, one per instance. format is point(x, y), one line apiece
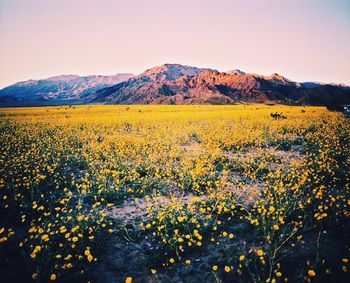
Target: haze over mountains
point(174, 84)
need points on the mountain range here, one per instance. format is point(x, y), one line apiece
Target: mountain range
point(174, 84)
point(58, 89)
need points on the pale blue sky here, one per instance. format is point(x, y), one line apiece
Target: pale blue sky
point(305, 40)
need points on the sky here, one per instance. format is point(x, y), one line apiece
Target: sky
point(304, 40)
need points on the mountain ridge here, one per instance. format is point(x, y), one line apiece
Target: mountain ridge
point(176, 84)
point(58, 88)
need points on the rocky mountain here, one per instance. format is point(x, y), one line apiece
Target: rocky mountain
point(178, 84)
point(58, 89)
point(169, 72)
point(155, 85)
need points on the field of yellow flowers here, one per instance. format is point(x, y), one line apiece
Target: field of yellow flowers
point(197, 193)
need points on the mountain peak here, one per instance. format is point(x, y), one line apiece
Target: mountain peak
point(276, 76)
point(169, 71)
point(235, 72)
point(278, 79)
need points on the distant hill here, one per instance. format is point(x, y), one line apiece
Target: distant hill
point(57, 90)
point(176, 84)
